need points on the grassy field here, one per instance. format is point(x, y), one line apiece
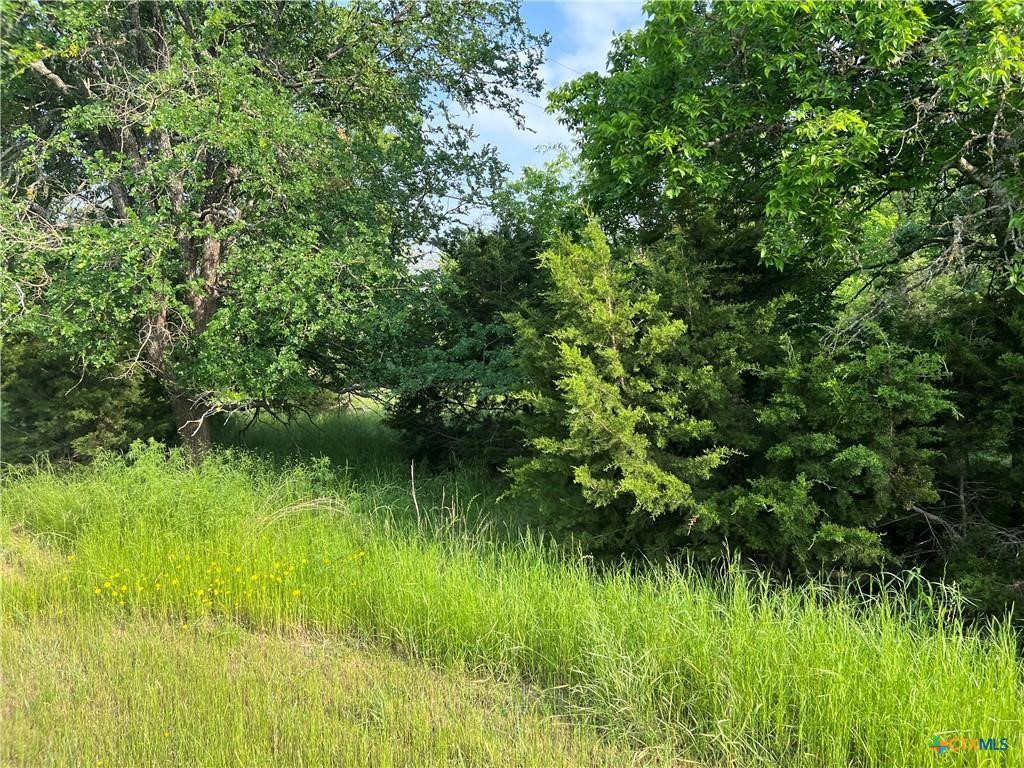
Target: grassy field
point(135, 691)
point(249, 613)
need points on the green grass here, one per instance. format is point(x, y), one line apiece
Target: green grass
point(355, 442)
point(138, 691)
point(367, 465)
point(721, 671)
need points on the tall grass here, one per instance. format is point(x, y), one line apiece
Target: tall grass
point(368, 465)
point(139, 692)
point(354, 441)
point(725, 670)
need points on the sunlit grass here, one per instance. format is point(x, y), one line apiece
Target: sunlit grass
point(135, 691)
point(722, 670)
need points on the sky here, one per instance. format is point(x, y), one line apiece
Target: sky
point(581, 35)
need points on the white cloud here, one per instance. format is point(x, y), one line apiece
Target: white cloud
point(590, 29)
point(582, 33)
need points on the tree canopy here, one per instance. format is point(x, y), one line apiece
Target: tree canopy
point(213, 192)
point(800, 121)
point(797, 329)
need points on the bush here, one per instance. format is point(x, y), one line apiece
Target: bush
point(671, 417)
point(55, 409)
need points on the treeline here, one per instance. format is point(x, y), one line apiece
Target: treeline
point(772, 303)
point(778, 309)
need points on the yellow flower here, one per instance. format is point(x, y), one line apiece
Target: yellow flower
point(71, 557)
point(184, 625)
point(296, 592)
point(238, 569)
point(99, 591)
point(174, 582)
point(107, 584)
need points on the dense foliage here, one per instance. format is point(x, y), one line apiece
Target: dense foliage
point(456, 374)
point(775, 303)
point(59, 409)
point(224, 194)
point(805, 341)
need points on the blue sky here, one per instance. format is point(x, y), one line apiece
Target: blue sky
point(581, 34)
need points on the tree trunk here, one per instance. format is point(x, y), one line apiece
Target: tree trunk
point(193, 427)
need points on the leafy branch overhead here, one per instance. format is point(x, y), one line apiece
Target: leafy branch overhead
point(210, 192)
point(806, 116)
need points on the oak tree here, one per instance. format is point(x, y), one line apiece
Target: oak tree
point(215, 193)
